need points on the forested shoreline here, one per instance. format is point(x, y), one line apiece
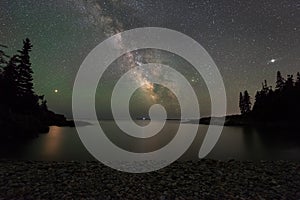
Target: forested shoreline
point(23, 113)
point(279, 107)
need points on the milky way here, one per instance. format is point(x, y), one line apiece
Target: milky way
point(243, 38)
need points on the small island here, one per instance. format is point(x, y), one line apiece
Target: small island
point(23, 113)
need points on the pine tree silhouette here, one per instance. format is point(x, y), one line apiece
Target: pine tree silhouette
point(289, 82)
point(16, 81)
point(27, 99)
point(241, 103)
point(3, 57)
point(10, 81)
point(3, 64)
point(281, 104)
point(25, 71)
point(23, 114)
point(247, 102)
point(298, 80)
point(280, 82)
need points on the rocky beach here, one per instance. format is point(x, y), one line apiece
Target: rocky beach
point(204, 179)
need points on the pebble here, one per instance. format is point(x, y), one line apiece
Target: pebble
point(204, 179)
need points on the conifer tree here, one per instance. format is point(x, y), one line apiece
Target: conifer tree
point(247, 102)
point(241, 103)
point(10, 80)
point(3, 57)
point(3, 63)
point(298, 80)
point(28, 101)
point(25, 71)
point(289, 82)
point(280, 82)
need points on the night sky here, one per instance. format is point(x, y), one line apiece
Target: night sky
point(248, 40)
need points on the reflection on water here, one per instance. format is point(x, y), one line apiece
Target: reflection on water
point(242, 143)
point(54, 143)
point(140, 145)
point(61, 143)
point(245, 143)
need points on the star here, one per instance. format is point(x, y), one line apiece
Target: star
point(236, 42)
point(273, 60)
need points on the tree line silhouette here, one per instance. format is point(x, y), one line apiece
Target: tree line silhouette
point(279, 104)
point(23, 112)
point(17, 91)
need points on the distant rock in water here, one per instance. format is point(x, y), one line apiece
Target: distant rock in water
point(79, 123)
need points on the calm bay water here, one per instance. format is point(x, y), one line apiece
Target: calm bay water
point(241, 143)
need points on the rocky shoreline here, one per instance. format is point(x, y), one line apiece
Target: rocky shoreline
point(205, 179)
point(20, 126)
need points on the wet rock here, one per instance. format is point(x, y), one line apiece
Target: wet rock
point(205, 179)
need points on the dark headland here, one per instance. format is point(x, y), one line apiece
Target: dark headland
point(23, 113)
point(277, 107)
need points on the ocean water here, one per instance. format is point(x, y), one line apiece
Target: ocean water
point(240, 143)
